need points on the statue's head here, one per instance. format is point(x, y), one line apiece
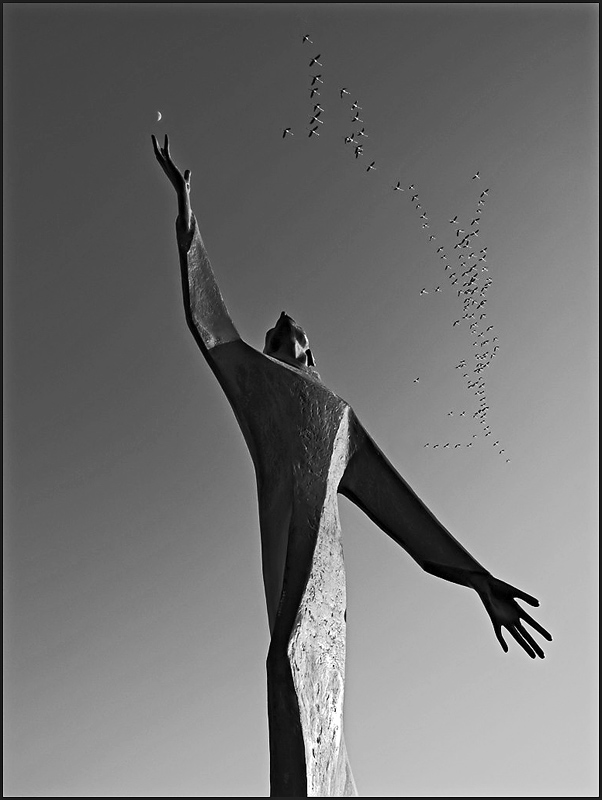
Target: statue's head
point(288, 342)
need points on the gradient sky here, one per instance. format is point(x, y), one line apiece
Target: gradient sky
point(135, 625)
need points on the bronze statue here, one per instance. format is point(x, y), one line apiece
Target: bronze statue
point(307, 445)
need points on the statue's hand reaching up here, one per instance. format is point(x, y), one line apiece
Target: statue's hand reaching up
point(181, 183)
point(504, 612)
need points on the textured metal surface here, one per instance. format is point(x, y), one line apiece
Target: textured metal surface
point(298, 435)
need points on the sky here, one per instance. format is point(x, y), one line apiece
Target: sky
point(135, 629)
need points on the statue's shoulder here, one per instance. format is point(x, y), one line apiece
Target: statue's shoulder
point(239, 362)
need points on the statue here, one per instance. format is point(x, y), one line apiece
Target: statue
point(307, 445)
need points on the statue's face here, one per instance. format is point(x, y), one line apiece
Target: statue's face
point(288, 342)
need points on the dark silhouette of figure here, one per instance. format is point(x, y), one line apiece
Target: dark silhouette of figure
point(307, 445)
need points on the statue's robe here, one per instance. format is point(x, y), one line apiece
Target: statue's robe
point(306, 444)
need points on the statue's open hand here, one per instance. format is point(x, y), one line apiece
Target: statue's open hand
point(181, 183)
point(504, 612)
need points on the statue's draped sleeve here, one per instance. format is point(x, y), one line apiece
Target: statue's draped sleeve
point(206, 312)
point(374, 485)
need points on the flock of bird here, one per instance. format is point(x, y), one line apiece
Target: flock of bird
point(467, 271)
point(464, 266)
point(356, 137)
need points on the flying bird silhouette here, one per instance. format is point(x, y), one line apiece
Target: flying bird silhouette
point(316, 79)
point(307, 39)
point(313, 92)
point(287, 130)
point(314, 131)
point(476, 175)
point(315, 61)
point(454, 220)
point(371, 166)
point(344, 91)
point(397, 187)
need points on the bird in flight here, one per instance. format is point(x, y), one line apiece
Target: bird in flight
point(362, 133)
point(313, 92)
point(412, 187)
point(414, 198)
point(315, 61)
point(432, 239)
point(355, 105)
point(454, 220)
point(416, 380)
point(314, 131)
point(287, 130)
point(457, 322)
point(357, 118)
point(358, 151)
point(423, 291)
point(485, 193)
point(344, 91)
point(371, 166)
point(438, 289)
point(316, 79)
point(307, 39)
point(397, 187)
point(318, 107)
point(476, 175)
point(315, 119)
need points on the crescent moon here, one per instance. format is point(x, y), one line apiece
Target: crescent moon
point(159, 116)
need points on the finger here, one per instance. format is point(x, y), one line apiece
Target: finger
point(500, 638)
point(155, 146)
point(528, 598)
point(527, 636)
point(536, 625)
point(526, 647)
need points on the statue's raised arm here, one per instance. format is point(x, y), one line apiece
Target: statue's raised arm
point(206, 312)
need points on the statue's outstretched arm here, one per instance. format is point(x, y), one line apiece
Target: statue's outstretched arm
point(206, 312)
point(374, 485)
